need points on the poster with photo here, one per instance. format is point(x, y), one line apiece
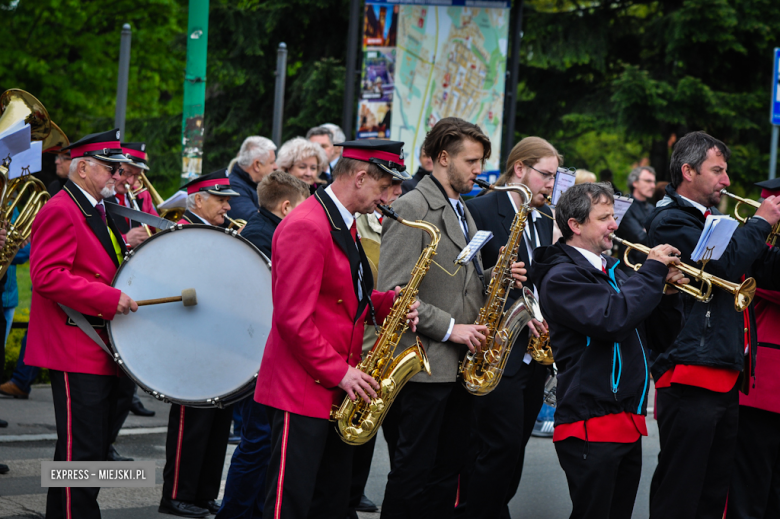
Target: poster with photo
point(374, 119)
point(376, 82)
point(381, 22)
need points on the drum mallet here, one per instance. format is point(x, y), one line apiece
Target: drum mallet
point(187, 297)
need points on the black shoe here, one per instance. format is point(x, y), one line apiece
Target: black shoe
point(138, 409)
point(3, 423)
point(181, 508)
point(4, 468)
point(113, 455)
point(366, 505)
point(212, 506)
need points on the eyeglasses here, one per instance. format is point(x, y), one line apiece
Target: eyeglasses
point(111, 169)
point(62, 158)
point(546, 176)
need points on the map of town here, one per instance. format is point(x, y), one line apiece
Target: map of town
point(450, 61)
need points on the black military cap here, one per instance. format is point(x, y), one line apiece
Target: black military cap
point(769, 187)
point(388, 155)
point(216, 183)
point(136, 152)
point(104, 146)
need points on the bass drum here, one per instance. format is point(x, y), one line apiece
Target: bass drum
point(206, 355)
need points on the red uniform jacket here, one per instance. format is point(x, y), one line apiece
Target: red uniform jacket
point(765, 394)
point(317, 326)
point(73, 262)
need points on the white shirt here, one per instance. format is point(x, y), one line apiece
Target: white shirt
point(92, 199)
point(199, 216)
point(697, 205)
point(597, 260)
point(349, 219)
point(455, 202)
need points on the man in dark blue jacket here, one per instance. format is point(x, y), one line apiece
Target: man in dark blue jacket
point(277, 194)
point(601, 324)
point(255, 160)
point(697, 374)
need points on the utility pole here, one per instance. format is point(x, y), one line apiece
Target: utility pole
point(510, 94)
point(122, 79)
point(348, 115)
point(194, 90)
point(281, 77)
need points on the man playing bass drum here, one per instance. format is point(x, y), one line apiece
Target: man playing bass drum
point(601, 324)
point(504, 418)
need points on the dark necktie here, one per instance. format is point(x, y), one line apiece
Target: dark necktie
point(102, 211)
point(532, 231)
point(465, 227)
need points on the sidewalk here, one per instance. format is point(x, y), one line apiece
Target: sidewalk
point(33, 419)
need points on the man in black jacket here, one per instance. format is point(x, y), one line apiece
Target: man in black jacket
point(696, 376)
point(277, 194)
point(601, 324)
point(504, 419)
point(255, 160)
point(641, 185)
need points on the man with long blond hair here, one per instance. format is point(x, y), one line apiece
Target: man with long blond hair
point(505, 417)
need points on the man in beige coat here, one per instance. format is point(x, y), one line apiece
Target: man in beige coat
point(432, 411)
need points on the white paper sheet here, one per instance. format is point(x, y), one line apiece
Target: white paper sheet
point(477, 242)
point(179, 199)
point(564, 179)
point(622, 203)
point(15, 140)
point(26, 162)
point(717, 233)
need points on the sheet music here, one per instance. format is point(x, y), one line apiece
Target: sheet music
point(564, 179)
point(26, 162)
point(15, 140)
point(622, 203)
point(179, 199)
point(477, 242)
point(717, 233)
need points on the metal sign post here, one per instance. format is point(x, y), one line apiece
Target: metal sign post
point(194, 90)
point(122, 79)
point(281, 75)
point(774, 116)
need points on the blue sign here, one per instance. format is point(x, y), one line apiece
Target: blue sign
point(774, 116)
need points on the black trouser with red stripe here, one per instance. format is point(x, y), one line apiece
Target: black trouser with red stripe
point(195, 452)
point(310, 469)
point(83, 407)
point(755, 482)
point(698, 435)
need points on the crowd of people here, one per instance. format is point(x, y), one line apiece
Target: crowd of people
point(452, 454)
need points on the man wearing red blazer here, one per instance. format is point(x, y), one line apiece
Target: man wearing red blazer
point(132, 232)
point(323, 295)
point(76, 251)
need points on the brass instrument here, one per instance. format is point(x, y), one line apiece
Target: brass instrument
point(134, 202)
point(772, 238)
point(481, 370)
point(235, 224)
point(539, 349)
point(173, 214)
point(357, 422)
point(743, 292)
point(26, 193)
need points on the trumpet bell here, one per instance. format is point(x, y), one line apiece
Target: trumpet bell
point(744, 294)
point(17, 105)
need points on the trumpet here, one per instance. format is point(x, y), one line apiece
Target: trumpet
point(743, 292)
point(132, 195)
point(235, 224)
point(772, 238)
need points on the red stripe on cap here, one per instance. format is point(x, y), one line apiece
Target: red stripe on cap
point(766, 193)
point(135, 153)
point(365, 155)
point(194, 188)
point(79, 151)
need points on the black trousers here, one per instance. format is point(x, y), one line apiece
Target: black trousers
point(433, 432)
point(603, 484)
point(310, 468)
point(755, 482)
point(361, 468)
point(126, 394)
point(698, 436)
point(502, 425)
point(83, 407)
point(195, 452)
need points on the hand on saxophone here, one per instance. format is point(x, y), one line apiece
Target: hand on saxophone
point(472, 335)
point(519, 274)
point(412, 318)
point(359, 384)
point(538, 328)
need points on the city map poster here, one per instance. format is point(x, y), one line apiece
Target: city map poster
point(450, 60)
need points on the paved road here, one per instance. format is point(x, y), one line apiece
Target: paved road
point(542, 494)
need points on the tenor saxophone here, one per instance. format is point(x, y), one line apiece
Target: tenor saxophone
point(481, 370)
point(357, 422)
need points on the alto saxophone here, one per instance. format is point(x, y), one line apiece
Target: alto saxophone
point(481, 370)
point(357, 422)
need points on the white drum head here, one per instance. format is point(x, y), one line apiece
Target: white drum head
point(194, 355)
